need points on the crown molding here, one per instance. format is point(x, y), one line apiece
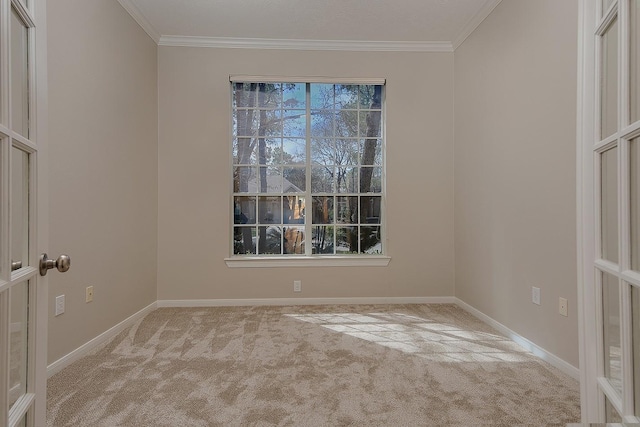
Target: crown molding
point(292, 44)
point(137, 15)
point(475, 22)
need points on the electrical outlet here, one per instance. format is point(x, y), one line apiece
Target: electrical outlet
point(297, 286)
point(563, 307)
point(535, 295)
point(89, 294)
point(59, 305)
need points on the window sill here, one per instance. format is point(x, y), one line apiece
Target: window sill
point(312, 261)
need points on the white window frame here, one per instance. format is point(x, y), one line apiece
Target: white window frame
point(308, 259)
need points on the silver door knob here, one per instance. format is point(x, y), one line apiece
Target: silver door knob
point(63, 263)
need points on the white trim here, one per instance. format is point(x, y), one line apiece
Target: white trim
point(303, 301)
point(308, 261)
point(299, 44)
point(139, 17)
point(475, 22)
point(307, 79)
point(93, 344)
point(530, 346)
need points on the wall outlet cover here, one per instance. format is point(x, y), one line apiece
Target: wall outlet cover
point(59, 305)
point(535, 295)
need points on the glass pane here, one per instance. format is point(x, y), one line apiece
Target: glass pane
point(294, 151)
point(22, 422)
point(19, 75)
point(605, 5)
point(269, 210)
point(634, 60)
point(370, 124)
point(610, 413)
point(244, 240)
point(294, 123)
point(635, 307)
point(371, 152)
point(611, 330)
point(609, 204)
point(609, 82)
point(346, 240)
point(294, 180)
point(20, 206)
point(322, 237)
point(347, 210)
point(371, 180)
point(293, 240)
point(294, 95)
point(293, 208)
point(18, 341)
point(322, 96)
point(634, 170)
point(323, 210)
point(370, 97)
point(242, 177)
point(244, 210)
point(370, 210)
point(347, 179)
point(370, 240)
point(322, 179)
point(270, 240)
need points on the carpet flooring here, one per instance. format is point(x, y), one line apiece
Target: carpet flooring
point(375, 365)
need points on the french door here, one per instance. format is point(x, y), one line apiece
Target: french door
point(609, 217)
point(23, 225)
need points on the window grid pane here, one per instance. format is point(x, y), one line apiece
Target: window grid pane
point(280, 164)
point(19, 75)
point(634, 60)
point(609, 204)
point(19, 306)
point(609, 82)
point(611, 331)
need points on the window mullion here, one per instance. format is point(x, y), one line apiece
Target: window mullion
point(308, 229)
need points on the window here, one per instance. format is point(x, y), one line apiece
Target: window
point(308, 176)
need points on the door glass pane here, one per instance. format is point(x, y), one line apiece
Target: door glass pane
point(634, 60)
point(611, 330)
point(609, 204)
point(634, 170)
point(19, 75)
point(19, 206)
point(609, 82)
point(611, 414)
point(605, 5)
point(635, 307)
point(19, 300)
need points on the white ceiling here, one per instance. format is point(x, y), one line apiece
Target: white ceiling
point(439, 22)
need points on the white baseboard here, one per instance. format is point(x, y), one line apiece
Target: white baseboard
point(303, 301)
point(83, 350)
point(530, 346)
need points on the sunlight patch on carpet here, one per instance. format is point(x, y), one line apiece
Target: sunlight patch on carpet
point(434, 341)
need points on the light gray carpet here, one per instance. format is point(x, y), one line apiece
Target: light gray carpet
point(383, 365)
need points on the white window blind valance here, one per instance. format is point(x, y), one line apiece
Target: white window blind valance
point(307, 79)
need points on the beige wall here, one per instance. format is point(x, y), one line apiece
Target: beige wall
point(194, 175)
point(515, 185)
point(103, 167)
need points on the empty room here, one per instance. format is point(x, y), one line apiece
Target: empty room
point(326, 213)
